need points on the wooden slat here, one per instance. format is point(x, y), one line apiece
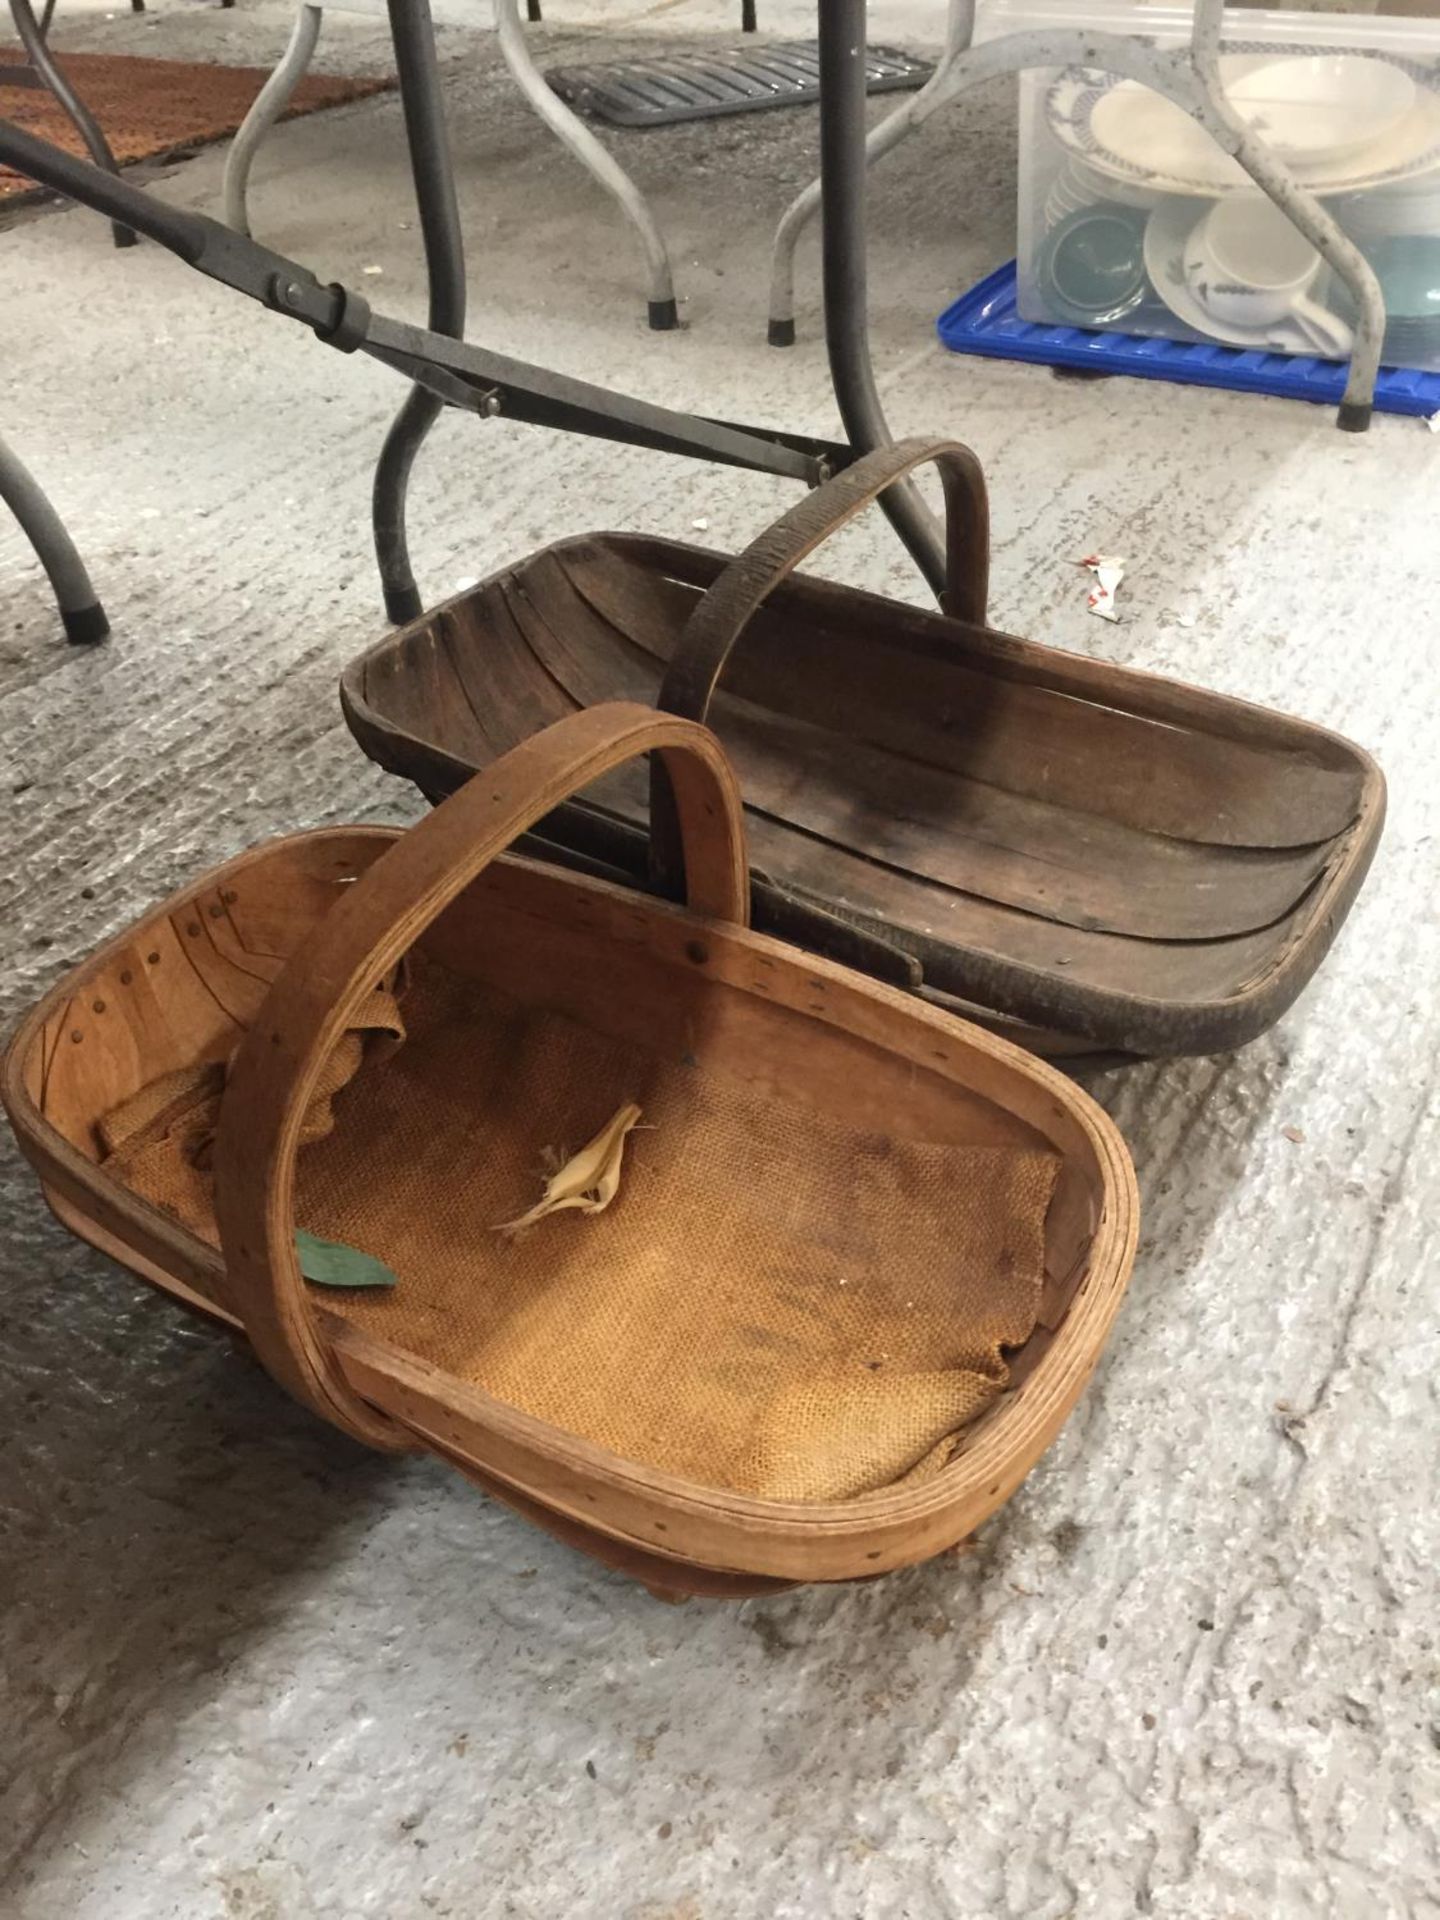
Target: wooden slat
point(1146, 753)
point(1079, 868)
point(1136, 863)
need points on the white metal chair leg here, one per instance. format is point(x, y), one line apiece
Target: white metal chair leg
point(1312, 218)
point(80, 611)
point(574, 134)
point(270, 103)
point(888, 133)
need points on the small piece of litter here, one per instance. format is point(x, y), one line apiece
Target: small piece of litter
point(466, 582)
point(372, 271)
point(1432, 421)
point(1109, 571)
point(701, 526)
point(330, 1263)
point(589, 1179)
point(1295, 1134)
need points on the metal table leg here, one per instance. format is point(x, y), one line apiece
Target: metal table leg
point(570, 129)
point(886, 134)
point(843, 180)
point(415, 63)
point(269, 104)
point(82, 614)
point(27, 28)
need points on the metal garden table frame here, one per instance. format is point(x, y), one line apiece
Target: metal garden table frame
point(1188, 75)
point(843, 170)
point(446, 370)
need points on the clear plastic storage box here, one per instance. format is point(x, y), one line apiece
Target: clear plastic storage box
point(1132, 219)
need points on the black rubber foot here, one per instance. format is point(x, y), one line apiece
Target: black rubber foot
point(1354, 416)
point(84, 626)
point(781, 333)
point(402, 605)
point(125, 236)
point(663, 316)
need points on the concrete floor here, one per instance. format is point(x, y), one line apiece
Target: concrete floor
point(1191, 1671)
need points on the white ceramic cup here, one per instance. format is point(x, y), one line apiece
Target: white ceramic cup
point(1250, 267)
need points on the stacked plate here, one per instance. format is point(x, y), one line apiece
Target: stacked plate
point(1139, 177)
point(1343, 122)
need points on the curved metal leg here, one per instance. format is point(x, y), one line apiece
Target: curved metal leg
point(1310, 217)
point(1306, 212)
point(27, 29)
point(411, 31)
point(842, 172)
point(574, 134)
point(82, 613)
point(270, 103)
point(887, 134)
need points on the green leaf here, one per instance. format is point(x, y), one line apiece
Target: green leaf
point(330, 1263)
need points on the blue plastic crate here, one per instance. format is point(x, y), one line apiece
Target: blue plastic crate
point(984, 320)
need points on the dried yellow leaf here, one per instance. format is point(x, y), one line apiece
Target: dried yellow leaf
point(589, 1179)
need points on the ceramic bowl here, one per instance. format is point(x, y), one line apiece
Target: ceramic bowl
point(1321, 107)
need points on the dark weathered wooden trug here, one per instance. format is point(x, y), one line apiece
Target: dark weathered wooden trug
point(1094, 859)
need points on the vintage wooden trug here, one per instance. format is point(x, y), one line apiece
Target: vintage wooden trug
point(862, 1257)
point(1097, 860)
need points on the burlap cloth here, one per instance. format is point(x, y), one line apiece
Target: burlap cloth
point(776, 1303)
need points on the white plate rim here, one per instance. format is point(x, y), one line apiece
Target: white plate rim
point(1072, 95)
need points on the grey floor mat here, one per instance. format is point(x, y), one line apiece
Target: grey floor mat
point(694, 86)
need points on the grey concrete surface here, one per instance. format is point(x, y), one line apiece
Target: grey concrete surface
point(251, 1673)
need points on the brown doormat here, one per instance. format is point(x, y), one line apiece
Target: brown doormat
point(150, 108)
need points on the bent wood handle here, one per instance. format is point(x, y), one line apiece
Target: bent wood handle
point(722, 616)
point(720, 619)
point(375, 921)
